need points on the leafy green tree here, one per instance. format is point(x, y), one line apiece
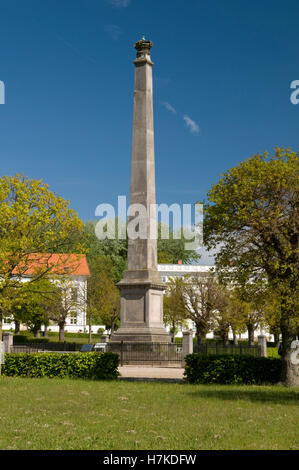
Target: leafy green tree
point(64, 303)
point(253, 298)
point(115, 250)
point(203, 299)
point(32, 302)
point(33, 220)
point(252, 217)
point(243, 312)
point(272, 315)
point(174, 311)
point(102, 273)
point(172, 250)
point(236, 313)
point(223, 325)
point(109, 303)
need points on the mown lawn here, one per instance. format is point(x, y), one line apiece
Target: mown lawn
point(78, 414)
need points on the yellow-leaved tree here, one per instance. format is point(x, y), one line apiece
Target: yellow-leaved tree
point(253, 218)
point(34, 223)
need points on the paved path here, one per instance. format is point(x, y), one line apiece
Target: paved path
point(167, 374)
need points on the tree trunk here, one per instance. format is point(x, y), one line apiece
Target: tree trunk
point(46, 331)
point(290, 371)
point(235, 338)
point(276, 339)
point(224, 337)
point(250, 330)
point(36, 333)
point(199, 335)
point(0, 336)
point(173, 333)
point(17, 327)
point(90, 329)
point(61, 331)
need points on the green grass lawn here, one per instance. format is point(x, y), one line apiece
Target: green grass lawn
point(78, 414)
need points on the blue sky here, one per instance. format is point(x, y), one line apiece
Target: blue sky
point(222, 79)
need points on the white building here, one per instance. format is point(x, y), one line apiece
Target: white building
point(176, 270)
point(71, 271)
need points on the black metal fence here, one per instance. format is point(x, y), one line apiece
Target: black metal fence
point(219, 348)
point(147, 353)
point(44, 347)
point(142, 353)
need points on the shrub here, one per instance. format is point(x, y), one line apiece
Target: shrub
point(22, 339)
point(272, 352)
point(232, 369)
point(38, 340)
point(71, 335)
point(78, 365)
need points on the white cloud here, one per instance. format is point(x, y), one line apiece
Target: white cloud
point(192, 126)
point(169, 107)
point(113, 31)
point(119, 3)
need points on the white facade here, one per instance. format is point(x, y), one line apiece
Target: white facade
point(176, 270)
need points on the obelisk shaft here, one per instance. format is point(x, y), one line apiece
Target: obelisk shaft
point(141, 286)
point(142, 253)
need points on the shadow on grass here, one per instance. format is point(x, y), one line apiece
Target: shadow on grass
point(279, 395)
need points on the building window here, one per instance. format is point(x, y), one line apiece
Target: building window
point(73, 318)
point(74, 294)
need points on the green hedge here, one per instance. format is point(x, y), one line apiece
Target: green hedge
point(232, 369)
point(27, 337)
point(22, 339)
point(75, 335)
point(78, 365)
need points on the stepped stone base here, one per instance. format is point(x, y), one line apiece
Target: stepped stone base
point(141, 311)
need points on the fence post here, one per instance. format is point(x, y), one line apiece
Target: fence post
point(187, 344)
point(8, 341)
point(262, 346)
point(122, 353)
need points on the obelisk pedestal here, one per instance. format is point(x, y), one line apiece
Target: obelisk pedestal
point(141, 287)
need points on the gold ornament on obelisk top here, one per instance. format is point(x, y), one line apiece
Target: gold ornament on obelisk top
point(143, 47)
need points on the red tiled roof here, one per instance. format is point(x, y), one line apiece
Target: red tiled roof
point(57, 263)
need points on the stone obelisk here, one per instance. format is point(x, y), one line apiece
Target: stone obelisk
point(141, 287)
